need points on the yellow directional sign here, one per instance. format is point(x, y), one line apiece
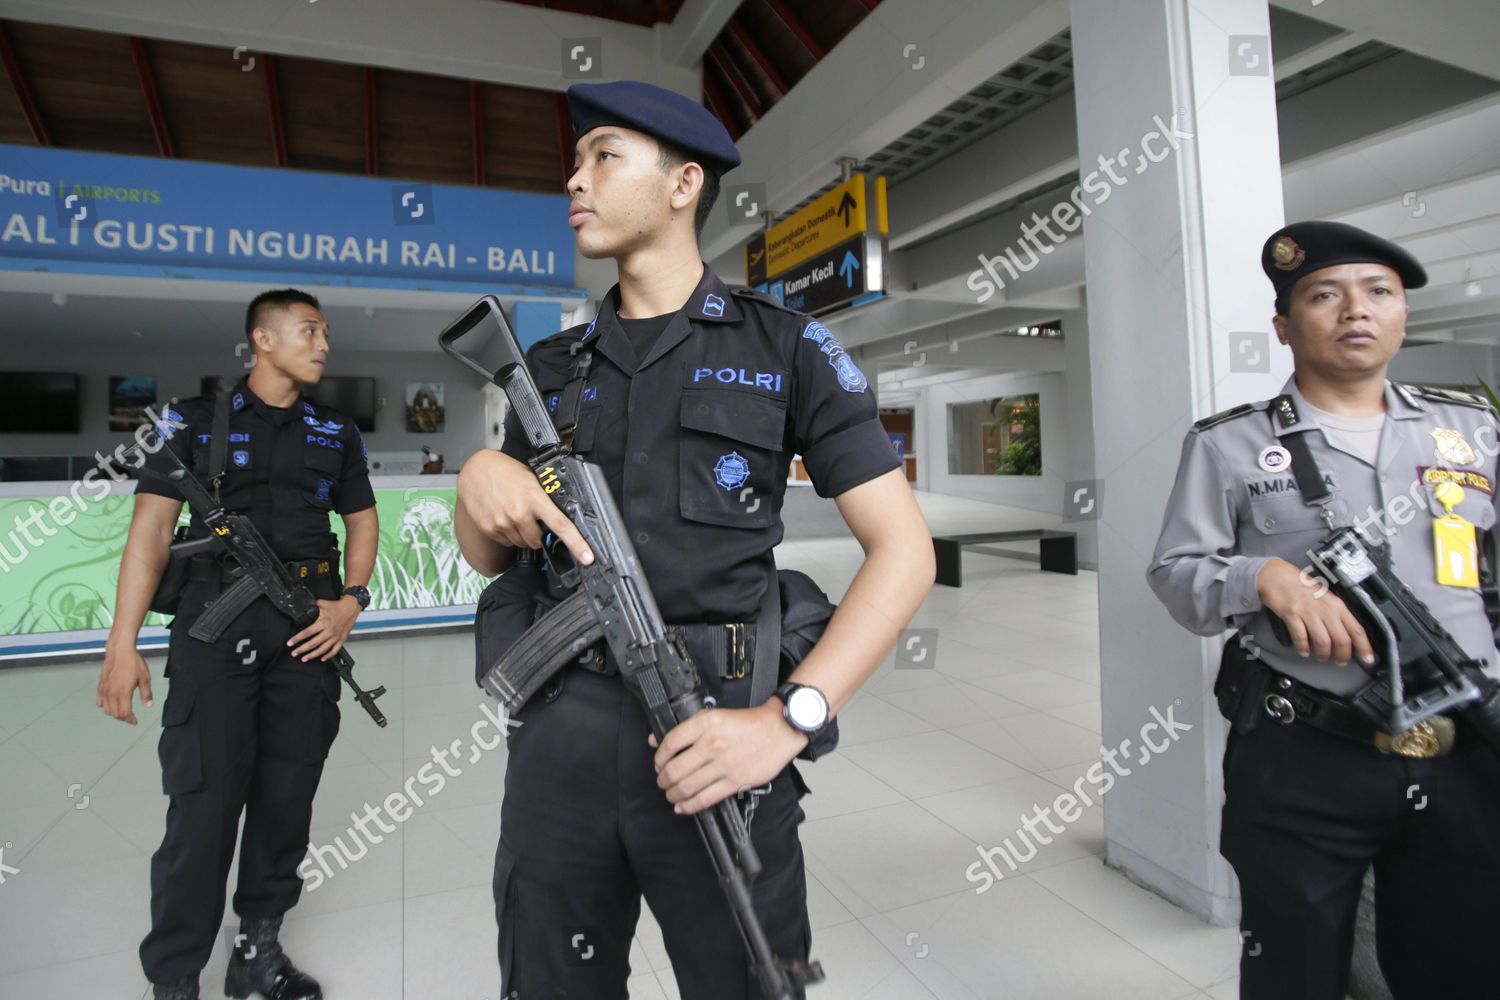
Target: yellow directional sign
point(831, 219)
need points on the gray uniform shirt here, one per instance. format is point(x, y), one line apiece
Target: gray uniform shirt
point(1229, 514)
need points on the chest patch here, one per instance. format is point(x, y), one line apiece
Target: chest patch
point(770, 381)
point(731, 470)
point(1467, 478)
point(1275, 486)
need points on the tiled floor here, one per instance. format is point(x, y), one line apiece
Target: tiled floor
point(933, 763)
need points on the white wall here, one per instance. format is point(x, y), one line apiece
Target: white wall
point(1042, 492)
point(1448, 364)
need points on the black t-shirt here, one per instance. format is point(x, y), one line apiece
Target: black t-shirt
point(644, 333)
point(695, 435)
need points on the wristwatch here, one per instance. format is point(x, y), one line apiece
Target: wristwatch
point(804, 708)
point(360, 594)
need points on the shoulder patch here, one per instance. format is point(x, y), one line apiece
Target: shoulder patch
point(1450, 396)
point(555, 351)
point(1226, 415)
point(763, 299)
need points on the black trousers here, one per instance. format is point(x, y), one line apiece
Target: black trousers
point(1306, 813)
point(585, 832)
point(245, 728)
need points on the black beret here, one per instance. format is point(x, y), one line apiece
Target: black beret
point(1301, 248)
point(658, 112)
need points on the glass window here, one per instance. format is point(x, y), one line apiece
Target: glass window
point(995, 437)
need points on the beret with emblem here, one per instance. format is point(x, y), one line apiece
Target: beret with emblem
point(1297, 250)
point(660, 113)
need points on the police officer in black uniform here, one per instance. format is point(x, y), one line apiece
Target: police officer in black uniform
point(695, 399)
point(1314, 794)
point(248, 719)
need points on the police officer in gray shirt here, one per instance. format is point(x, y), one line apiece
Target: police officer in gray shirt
point(1313, 794)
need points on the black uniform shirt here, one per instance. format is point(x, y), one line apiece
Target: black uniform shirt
point(695, 440)
point(286, 467)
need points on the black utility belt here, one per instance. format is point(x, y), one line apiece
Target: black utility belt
point(301, 569)
point(732, 646)
point(1250, 691)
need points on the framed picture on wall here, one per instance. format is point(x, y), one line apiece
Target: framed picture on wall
point(129, 395)
point(424, 407)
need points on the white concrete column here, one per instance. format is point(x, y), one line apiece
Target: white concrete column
point(1078, 383)
point(1179, 98)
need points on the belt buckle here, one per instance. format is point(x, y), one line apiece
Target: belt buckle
point(1280, 709)
point(736, 650)
point(1424, 740)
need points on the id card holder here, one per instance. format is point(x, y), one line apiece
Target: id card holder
point(1456, 546)
point(1455, 542)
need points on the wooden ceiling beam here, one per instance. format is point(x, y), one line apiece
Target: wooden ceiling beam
point(759, 56)
point(795, 25)
point(476, 129)
point(741, 86)
point(153, 98)
point(718, 104)
point(372, 127)
point(273, 110)
point(19, 84)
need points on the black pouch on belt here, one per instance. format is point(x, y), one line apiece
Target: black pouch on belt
point(1240, 687)
point(506, 609)
point(174, 580)
point(805, 611)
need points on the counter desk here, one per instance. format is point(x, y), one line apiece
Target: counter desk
point(61, 542)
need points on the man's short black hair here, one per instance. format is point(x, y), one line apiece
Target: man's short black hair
point(675, 156)
point(275, 298)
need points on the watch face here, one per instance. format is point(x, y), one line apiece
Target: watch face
point(807, 708)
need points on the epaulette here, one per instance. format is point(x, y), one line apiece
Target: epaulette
point(1450, 396)
point(764, 299)
point(1226, 415)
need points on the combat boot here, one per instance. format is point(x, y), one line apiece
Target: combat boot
point(257, 964)
point(182, 989)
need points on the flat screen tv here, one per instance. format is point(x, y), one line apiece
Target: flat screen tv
point(353, 397)
point(39, 403)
